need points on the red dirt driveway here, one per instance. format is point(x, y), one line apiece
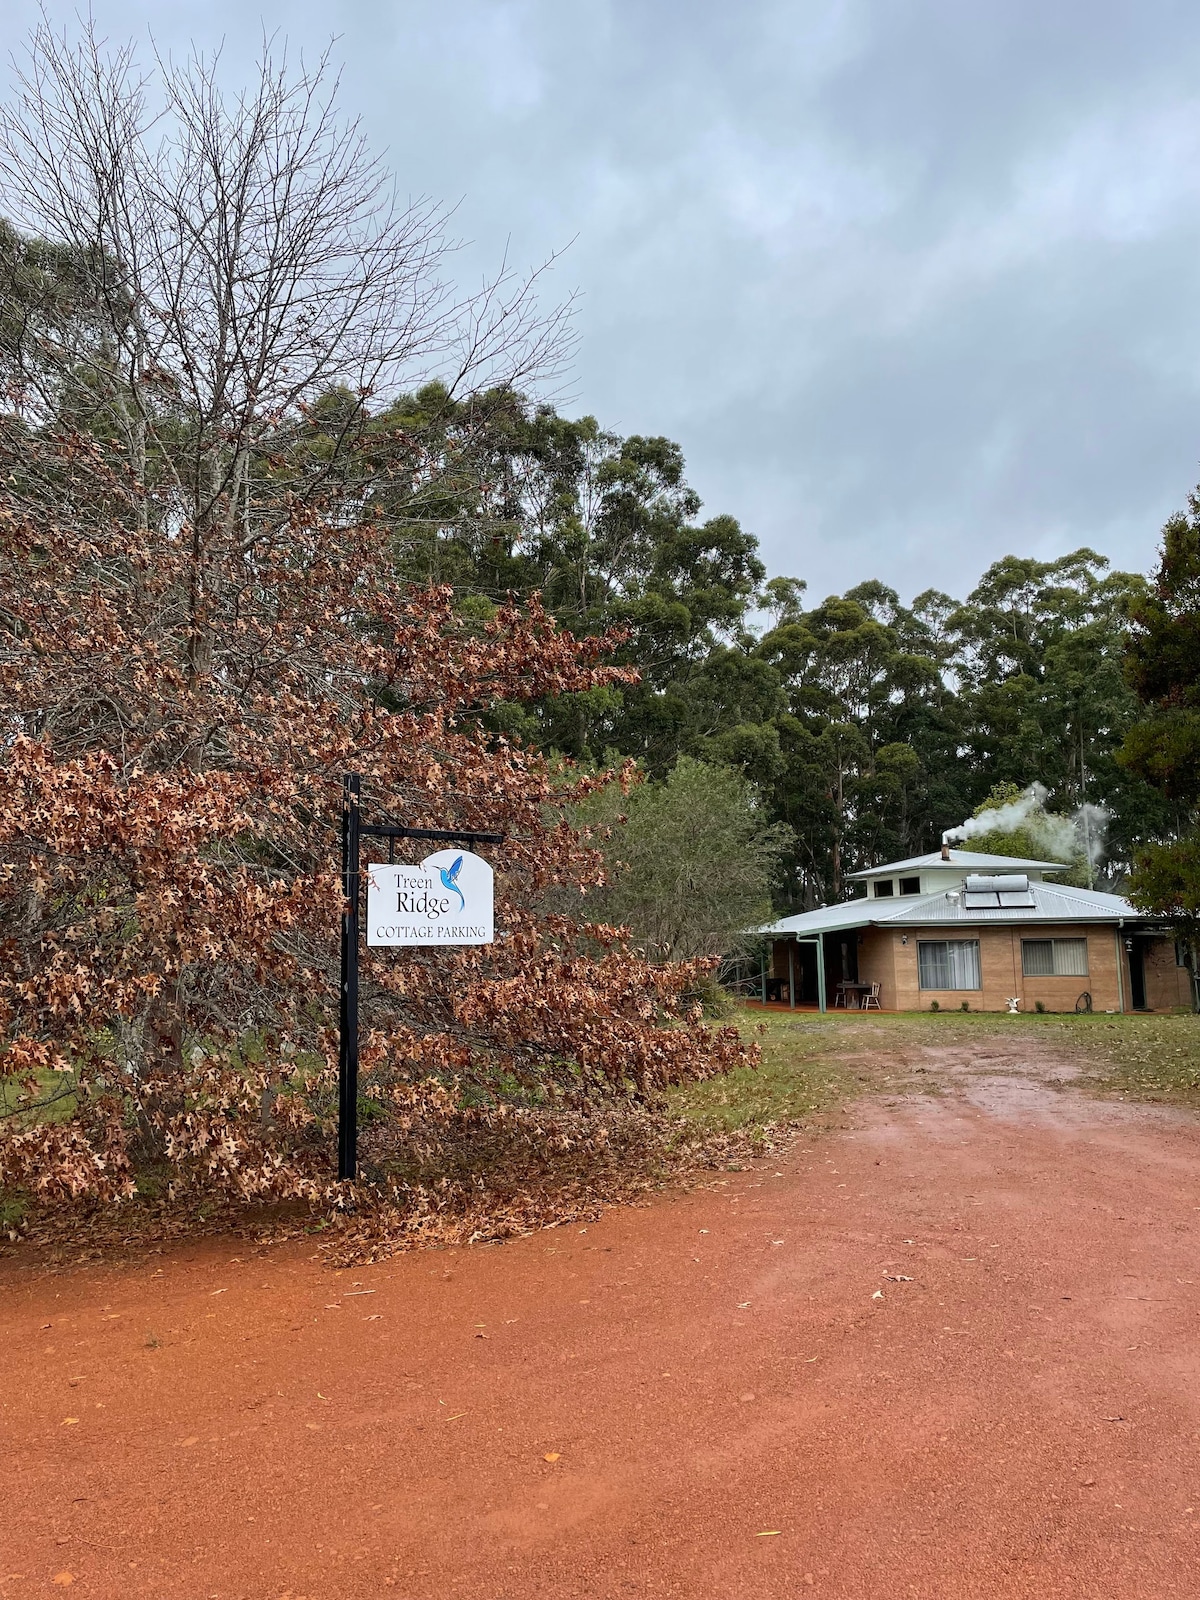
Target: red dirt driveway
point(951, 1350)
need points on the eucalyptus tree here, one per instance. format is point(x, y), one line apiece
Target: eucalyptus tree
point(1162, 747)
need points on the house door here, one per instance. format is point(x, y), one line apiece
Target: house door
point(1137, 975)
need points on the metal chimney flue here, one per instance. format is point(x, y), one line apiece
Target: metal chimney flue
point(945, 851)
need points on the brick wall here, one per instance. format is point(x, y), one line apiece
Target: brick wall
point(1167, 984)
point(884, 957)
point(877, 963)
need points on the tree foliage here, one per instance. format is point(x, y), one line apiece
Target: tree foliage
point(1163, 745)
point(690, 860)
point(866, 726)
point(1039, 837)
point(210, 607)
point(169, 840)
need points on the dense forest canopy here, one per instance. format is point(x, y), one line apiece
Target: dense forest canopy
point(866, 725)
point(1163, 745)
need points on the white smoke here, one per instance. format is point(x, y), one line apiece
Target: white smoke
point(1091, 825)
point(1003, 819)
point(1061, 837)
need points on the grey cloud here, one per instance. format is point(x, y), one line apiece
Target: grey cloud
point(912, 283)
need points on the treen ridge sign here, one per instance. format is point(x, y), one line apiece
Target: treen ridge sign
point(447, 900)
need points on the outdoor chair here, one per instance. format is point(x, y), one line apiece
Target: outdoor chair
point(871, 998)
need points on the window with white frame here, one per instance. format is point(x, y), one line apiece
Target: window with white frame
point(1054, 958)
point(948, 963)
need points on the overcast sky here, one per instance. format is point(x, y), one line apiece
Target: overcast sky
point(913, 282)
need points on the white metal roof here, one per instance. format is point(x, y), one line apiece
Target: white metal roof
point(963, 860)
point(1052, 903)
point(828, 919)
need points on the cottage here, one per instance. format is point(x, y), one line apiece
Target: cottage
point(957, 925)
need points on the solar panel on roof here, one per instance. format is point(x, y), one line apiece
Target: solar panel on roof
point(992, 890)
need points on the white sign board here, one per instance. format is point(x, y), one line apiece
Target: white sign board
point(446, 900)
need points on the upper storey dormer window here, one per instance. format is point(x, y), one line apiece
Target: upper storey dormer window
point(884, 889)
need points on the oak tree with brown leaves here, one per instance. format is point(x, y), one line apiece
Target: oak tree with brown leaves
point(201, 629)
point(170, 877)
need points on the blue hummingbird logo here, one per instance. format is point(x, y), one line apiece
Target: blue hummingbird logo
point(449, 877)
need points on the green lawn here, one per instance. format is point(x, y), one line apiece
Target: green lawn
point(56, 1101)
point(1150, 1058)
point(800, 1074)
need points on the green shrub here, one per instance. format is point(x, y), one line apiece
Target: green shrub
point(715, 1001)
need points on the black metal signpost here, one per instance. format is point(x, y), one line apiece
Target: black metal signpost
point(354, 829)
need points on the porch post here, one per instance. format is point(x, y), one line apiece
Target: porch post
point(821, 971)
point(792, 974)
